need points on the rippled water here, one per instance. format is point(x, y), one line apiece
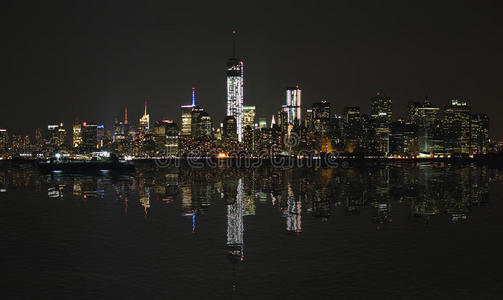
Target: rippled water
point(394, 231)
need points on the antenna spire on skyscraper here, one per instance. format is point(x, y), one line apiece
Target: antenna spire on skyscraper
point(125, 114)
point(193, 96)
point(234, 33)
point(145, 108)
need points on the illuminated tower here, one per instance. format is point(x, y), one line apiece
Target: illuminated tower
point(293, 101)
point(249, 116)
point(4, 139)
point(380, 114)
point(235, 89)
point(77, 135)
point(145, 119)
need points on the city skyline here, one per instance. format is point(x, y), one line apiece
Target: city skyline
point(93, 82)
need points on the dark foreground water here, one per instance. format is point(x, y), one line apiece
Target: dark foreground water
point(395, 232)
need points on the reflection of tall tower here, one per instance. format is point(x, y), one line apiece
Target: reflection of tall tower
point(235, 89)
point(188, 206)
point(293, 215)
point(235, 228)
point(144, 196)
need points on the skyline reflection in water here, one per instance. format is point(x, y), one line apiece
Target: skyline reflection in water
point(297, 200)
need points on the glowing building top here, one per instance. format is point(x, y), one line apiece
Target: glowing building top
point(145, 119)
point(293, 104)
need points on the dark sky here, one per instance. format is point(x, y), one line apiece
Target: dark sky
point(90, 58)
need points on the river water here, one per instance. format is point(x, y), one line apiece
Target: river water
point(408, 231)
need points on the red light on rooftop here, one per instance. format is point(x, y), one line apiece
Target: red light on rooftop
point(378, 93)
point(234, 32)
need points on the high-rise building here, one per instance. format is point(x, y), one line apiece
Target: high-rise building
point(101, 137)
point(186, 129)
point(235, 81)
point(166, 138)
point(195, 125)
point(457, 121)
point(249, 116)
point(39, 139)
point(293, 104)
point(204, 125)
point(230, 128)
point(4, 139)
point(77, 135)
point(89, 137)
point(282, 121)
point(413, 111)
point(196, 122)
point(56, 135)
point(403, 138)
point(426, 120)
point(381, 113)
point(352, 128)
point(172, 142)
point(121, 129)
point(321, 116)
point(380, 109)
point(479, 133)
point(262, 123)
point(145, 119)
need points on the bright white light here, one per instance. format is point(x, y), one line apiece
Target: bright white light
point(58, 156)
point(104, 154)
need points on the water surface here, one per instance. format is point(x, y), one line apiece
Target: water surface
point(395, 231)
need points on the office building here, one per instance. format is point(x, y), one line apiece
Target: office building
point(293, 105)
point(235, 81)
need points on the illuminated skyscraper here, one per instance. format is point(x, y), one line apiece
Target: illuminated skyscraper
point(230, 129)
point(380, 114)
point(429, 128)
point(4, 139)
point(195, 121)
point(90, 135)
point(248, 116)
point(456, 124)
point(235, 89)
point(380, 109)
point(186, 129)
point(77, 135)
point(321, 116)
point(262, 123)
point(145, 119)
point(479, 133)
point(293, 103)
point(56, 134)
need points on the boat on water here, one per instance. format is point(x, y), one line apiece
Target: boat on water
point(111, 163)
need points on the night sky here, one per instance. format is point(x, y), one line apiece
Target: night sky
point(88, 59)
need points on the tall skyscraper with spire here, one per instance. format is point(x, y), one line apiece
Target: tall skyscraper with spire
point(145, 119)
point(235, 89)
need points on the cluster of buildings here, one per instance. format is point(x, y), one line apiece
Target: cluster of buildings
point(426, 131)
